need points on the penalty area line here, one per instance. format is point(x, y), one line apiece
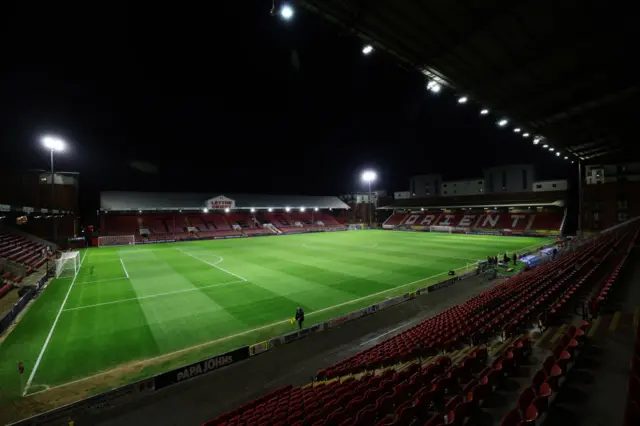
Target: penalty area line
point(151, 296)
point(53, 326)
point(102, 281)
point(124, 268)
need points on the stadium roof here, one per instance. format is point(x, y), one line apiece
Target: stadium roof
point(521, 199)
point(169, 201)
point(561, 70)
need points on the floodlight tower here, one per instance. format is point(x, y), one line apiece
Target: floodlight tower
point(369, 176)
point(54, 144)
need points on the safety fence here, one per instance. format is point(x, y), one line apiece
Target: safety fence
point(9, 317)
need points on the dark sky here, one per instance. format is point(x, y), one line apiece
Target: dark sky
point(226, 98)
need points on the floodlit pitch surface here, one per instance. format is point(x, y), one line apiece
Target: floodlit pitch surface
point(150, 302)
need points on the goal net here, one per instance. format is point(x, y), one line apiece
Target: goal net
point(119, 240)
point(356, 227)
point(447, 229)
point(68, 264)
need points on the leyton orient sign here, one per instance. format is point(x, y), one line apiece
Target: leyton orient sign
point(220, 203)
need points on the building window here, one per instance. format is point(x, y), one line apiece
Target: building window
point(553, 185)
point(524, 179)
point(445, 192)
point(538, 186)
point(454, 191)
point(444, 185)
point(479, 182)
point(437, 188)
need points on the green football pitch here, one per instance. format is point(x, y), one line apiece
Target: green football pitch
point(168, 304)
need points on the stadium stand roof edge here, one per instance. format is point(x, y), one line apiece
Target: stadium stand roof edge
point(558, 203)
point(551, 74)
point(169, 201)
point(523, 199)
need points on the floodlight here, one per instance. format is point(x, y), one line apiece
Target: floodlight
point(253, 210)
point(557, 154)
point(484, 112)
point(367, 49)
point(516, 130)
point(572, 161)
point(53, 143)
point(545, 146)
point(551, 148)
point(205, 210)
point(227, 210)
point(536, 141)
point(301, 209)
point(286, 12)
point(525, 135)
point(503, 122)
point(287, 209)
point(422, 209)
point(316, 209)
point(369, 176)
point(566, 158)
point(463, 100)
point(433, 86)
point(139, 211)
point(269, 209)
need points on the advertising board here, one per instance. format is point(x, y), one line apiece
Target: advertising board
point(194, 370)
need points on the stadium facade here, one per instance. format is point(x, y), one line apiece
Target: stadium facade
point(158, 217)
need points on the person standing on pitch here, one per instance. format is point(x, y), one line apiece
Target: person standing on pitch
point(300, 316)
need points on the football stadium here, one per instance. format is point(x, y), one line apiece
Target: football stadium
point(472, 263)
point(183, 300)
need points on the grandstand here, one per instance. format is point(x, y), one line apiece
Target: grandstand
point(152, 217)
point(528, 213)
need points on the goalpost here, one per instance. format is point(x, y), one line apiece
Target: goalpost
point(118, 240)
point(355, 227)
point(68, 264)
point(447, 229)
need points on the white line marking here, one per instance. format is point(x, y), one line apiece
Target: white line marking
point(215, 265)
point(231, 336)
point(151, 296)
point(384, 334)
point(46, 342)
point(123, 267)
point(103, 281)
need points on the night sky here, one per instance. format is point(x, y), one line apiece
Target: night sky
point(230, 100)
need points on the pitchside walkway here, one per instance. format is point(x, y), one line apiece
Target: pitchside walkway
point(195, 401)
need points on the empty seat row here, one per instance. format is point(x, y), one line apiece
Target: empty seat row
point(504, 309)
point(19, 249)
point(534, 401)
point(356, 392)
